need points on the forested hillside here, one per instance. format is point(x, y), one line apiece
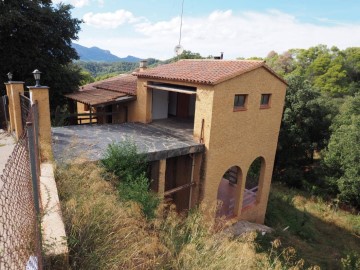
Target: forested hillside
point(319, 143)
point(94, 71)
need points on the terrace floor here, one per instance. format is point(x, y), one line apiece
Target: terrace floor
point(159, 140)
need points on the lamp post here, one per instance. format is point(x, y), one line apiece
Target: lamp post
point(37, 75)
point(10, 76)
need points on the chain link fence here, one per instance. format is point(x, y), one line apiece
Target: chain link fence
point(20, 232)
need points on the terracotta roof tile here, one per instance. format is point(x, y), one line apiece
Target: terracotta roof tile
point(201, 71)
point(95, 96)
point(123, 83)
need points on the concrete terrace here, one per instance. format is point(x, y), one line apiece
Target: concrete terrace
point(159, 140)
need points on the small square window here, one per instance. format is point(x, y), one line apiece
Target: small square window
point(265, 101)
point(240, 102)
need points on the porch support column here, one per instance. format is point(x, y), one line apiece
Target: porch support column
point(162, 171)
point(196, 177)
point(13, 90)
point(40, 95)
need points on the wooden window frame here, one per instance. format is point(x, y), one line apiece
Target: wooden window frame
point(244, 106)
point(268, 104)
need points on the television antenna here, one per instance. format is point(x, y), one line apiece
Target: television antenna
point(178, 48)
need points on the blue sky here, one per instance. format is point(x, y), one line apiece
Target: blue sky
point(239, 28)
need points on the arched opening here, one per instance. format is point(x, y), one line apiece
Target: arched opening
point(253, 178)
point(227, 195)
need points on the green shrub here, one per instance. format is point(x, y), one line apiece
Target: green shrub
point(124, 161)
point(351, 261)
point(291, 176)
point(137, 190)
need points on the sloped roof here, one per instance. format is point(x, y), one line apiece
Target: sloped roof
point(123, 83)
point(106, 91)
point(203, 71)
point(95, 97)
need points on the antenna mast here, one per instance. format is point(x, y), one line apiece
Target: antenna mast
point(178, 48)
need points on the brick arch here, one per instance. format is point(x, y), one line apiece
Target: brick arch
point(228, 194)
point(253, 182)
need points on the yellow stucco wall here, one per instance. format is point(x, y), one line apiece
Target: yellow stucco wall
point(140, 109)
point(231, 138)
point(11, 109)
point(15, 88)
point(41, 96)
point(238, 138)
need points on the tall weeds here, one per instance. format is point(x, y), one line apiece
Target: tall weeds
point(102, 233)
point(106, 233)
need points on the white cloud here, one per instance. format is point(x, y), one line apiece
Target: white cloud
point(243, 34)
point(109, 20)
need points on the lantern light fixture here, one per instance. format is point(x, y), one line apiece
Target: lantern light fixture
point(10, 76)
point(37, 74)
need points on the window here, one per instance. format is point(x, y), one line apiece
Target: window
point(240, 102)
point(265, 101)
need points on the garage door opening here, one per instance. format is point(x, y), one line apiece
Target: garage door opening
point(172, 101)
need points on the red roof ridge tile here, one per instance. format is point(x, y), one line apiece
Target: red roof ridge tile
point(204, 71)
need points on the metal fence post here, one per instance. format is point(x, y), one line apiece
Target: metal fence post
point(34, 159)
point(35, 114)
point(33, 166)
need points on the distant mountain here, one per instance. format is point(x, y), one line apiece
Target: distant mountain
point(96, 54)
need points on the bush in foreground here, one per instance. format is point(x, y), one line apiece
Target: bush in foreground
point(137, 190)
point(124, 160)
point(129, 166)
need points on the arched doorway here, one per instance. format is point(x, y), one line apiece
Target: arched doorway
point(228, 193)
point(253, 179)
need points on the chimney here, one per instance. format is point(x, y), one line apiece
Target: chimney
point(219, 57)
point(143, 65)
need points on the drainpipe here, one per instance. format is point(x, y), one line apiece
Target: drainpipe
point(192, 177)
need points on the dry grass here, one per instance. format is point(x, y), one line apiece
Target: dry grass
point(101, 233)
point(105, 233)
point(320, 232)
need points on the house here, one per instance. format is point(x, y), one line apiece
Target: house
point(230, 110)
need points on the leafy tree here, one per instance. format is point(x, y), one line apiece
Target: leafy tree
point(86, 77)
point(186, 54)
point(37, 34)
point(189, 55)
point(352, 67)
point(304, 129)
point(342, 157)
point(326, 69)
point(98, 69)
point(282, 64)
